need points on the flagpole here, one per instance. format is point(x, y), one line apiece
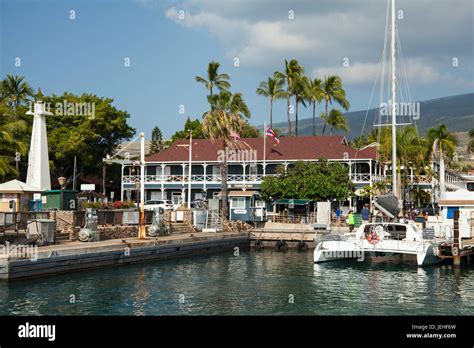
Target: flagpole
point(264, 146)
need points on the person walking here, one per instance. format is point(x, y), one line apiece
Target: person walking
point(350, 220)
point(365, 213)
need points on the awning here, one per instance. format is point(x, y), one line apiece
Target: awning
point(293, 201)
point(247, 193)
point(16, 186)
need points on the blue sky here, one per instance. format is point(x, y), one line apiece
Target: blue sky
point(86, 55)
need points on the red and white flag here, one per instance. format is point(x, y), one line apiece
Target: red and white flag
point(272, 134)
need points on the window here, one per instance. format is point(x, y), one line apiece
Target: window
point(451, 211)
point(259, 204)
point(216, 170)
point(253, 169)
point(237, 202)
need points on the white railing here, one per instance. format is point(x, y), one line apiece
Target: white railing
point(213, 178)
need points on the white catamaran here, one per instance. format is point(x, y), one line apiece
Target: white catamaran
point(386, 238)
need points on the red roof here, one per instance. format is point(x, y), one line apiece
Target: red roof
point(289, 148)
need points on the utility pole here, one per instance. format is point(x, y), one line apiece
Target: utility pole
point(142, 230)
point(190, 166)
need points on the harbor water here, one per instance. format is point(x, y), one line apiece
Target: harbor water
point(253, 283)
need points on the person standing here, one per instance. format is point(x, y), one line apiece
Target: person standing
point(350, 220)
point(365, 213)
point(338, 215)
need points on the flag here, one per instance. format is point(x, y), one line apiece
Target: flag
point(272, 134)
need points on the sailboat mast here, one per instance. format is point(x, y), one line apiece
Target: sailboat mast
point(394, 117)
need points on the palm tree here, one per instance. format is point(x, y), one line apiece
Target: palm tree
point(299, 91)
point(336, 120)
point(273, 89)
point(333, 91)
point(15, 90)
point(444, 143)
point(293, 71)
point(9, 140)
point(225, 119)
point(314, 94)
point(214, 78)
point(470, 145)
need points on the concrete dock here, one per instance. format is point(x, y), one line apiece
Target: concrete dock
point(76, 256)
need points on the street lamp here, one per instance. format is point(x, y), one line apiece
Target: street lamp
point(62, 181)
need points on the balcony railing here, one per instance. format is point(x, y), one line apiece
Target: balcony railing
point(451, 181)
point(214, 178)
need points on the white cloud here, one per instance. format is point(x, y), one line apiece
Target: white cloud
point(321, 35)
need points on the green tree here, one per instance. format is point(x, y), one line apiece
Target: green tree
point(88, 136)
point(272, 89)
point(443, 144)
point(10, 141)
point(293, 71)
point(320, 181)
point(332, 90)
point(156, 144)
point(470, 145)
point(299, 91)
point(336, 120)
point(221, 81)
point(226, 117)
point(15, 90)
point(190, 125)
point(314, 94)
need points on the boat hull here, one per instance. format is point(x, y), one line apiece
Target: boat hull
point(425, 252)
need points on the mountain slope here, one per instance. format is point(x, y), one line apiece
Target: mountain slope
point(457, 112)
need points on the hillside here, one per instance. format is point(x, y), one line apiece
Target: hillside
point(457, 112)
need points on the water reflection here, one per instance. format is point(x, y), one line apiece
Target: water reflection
point(253, 283)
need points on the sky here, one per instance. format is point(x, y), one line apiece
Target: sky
point(167, 43)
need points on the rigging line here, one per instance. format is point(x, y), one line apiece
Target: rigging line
point(378, 116)
point(381, 65)
point(409, 95)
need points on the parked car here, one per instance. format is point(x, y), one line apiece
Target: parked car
point(161, 203)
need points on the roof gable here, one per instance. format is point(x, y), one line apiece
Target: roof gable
point(289, 148)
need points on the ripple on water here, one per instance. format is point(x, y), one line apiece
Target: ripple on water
point(254, 283)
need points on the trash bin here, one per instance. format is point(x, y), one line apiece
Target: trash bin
point(45, 228)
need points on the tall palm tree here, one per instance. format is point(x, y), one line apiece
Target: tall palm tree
point(336, 120)
point(10, 126)
point(15, 90)
point(443, 144)
point(293, 70)
point(225, 119)
point(299, 91)
point(333, 91)
point(470, 145)
point(314, 94)
point(221, 81)
point(273, 89)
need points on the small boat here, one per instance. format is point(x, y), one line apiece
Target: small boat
point(387, 239)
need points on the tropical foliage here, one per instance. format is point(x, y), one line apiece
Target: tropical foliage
point(318, 181)
point(156, 144)
point(224, 122)
point(272, 89)
point(214, 79)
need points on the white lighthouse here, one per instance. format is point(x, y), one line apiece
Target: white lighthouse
point(38, 159)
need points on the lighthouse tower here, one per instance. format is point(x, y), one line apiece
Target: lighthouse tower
point(38, 159)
